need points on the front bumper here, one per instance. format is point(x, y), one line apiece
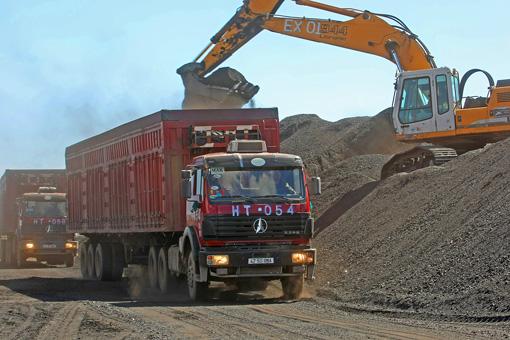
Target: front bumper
point(239, 266)
point(47, 247)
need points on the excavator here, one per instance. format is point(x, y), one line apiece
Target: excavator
point(429, 107)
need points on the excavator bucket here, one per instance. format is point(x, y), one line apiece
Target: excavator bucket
point(224, 88)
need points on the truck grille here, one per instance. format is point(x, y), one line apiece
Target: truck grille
point(241, 227)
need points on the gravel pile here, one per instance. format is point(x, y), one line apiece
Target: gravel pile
point(433, 241)
point(324, 144)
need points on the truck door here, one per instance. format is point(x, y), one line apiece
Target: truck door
point(193, 204)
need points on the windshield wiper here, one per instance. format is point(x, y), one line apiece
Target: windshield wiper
point(283, 198)
point(236, 197)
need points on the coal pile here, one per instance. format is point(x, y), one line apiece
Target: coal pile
point(346, 154)
point(323, 144)
point(433, 241)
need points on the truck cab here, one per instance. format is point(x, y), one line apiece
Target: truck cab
point(251, 212)
point(41, 230)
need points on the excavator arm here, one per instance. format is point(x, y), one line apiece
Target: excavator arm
point(365, 32)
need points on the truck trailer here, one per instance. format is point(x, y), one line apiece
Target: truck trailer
point(204, 195)
point(33, 217)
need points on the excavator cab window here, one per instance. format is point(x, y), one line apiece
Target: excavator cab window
point(455, 89)
point(415, 101)
point(443, 103)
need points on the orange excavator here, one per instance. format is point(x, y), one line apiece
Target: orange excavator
point(428, 105)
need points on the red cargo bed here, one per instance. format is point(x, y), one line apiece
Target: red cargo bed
point(128, 179)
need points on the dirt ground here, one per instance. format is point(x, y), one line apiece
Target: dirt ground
point(54, 303)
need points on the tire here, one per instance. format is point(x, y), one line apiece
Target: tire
point(103, 262)
point(152, 267)
point(292, 287)
point(197, 291)
point(83, 260)
point(69, 261)
point(117, 261)
point(163, 272)
point(20, 258)
point(91, 273)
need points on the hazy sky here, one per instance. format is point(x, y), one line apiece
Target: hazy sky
point(73, 68)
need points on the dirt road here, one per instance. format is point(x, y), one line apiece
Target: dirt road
point(54, 303)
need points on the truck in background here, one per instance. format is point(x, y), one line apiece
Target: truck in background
point(200, 194)
point(33, 217)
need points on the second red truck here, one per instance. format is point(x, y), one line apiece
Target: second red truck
point(202, 194)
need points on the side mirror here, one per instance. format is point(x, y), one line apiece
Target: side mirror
point(186, 183)
point(186, 189)
point(185, 174)
point(315, 186)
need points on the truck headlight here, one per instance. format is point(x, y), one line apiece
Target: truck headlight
point(302, 258)
point(70, 245)
point(29, 245)
point(218, 260)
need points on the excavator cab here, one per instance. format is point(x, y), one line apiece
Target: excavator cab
point(425, 102)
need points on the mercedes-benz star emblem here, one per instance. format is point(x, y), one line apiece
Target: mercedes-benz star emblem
point(260, 226)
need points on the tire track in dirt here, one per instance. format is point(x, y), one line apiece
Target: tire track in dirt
point(65, 324)
point(174, 321)
point(371, 330)
point(27, 324)
point(253, 323)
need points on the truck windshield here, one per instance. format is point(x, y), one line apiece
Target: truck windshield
point(45, 209)
point(255, 184)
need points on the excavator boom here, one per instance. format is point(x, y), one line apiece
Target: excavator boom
point(364, 32)
point(428, 103)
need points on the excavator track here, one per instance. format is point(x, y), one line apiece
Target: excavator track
point(417, 158)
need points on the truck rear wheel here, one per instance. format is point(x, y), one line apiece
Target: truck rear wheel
point(90, 262)
point(103, 262)
point(152, 267)
point(83, 260)
point(197, 291)
point(117, 261)
point(292, 287)
point(163, 272)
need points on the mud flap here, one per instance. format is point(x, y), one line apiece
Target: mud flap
point(224, 88)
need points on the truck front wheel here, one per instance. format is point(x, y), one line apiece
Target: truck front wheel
point(196, 290)
point(292, 287)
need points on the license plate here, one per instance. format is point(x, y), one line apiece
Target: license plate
point(49, 246)
point(261, 260)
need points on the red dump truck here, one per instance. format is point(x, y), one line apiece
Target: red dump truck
point(33, 217)
point(200, 194)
